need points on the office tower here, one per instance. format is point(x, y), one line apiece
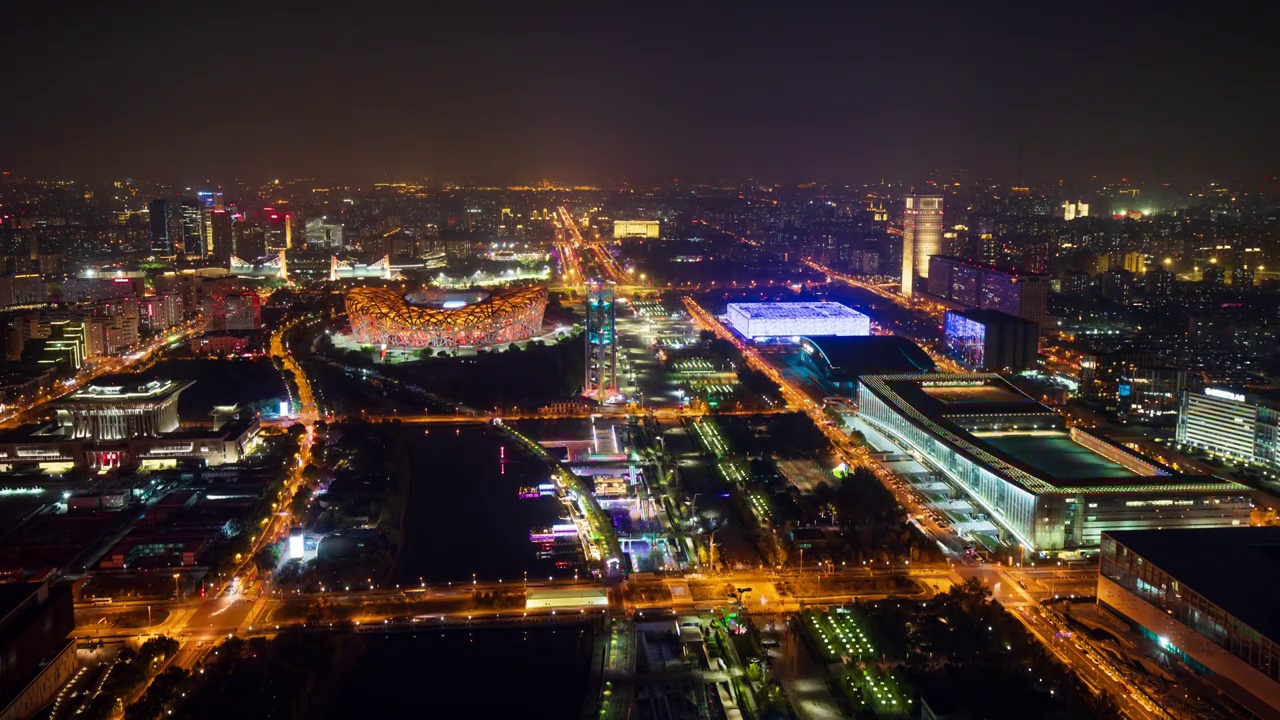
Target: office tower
point(276, 226)
point(1151, 394)
point(1100, 373)
point(220, 238)
point(211, 200)
point(1018, 293)
point(1035, 257)
point(921, 237)
point(601, 380)
point(249, 242)
point(161, 239)
point(191, 214)
point(1236, 424)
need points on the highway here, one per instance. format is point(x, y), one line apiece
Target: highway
point(613, 411)
point(209, 620)
point(606, 262)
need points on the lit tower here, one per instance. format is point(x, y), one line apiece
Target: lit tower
point(602, 355)
point(161, 239)
point(191, 214)
point(921, 237)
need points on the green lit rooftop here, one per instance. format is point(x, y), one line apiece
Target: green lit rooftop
point(1057, 455)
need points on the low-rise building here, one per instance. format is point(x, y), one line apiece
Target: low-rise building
point(1206, 597)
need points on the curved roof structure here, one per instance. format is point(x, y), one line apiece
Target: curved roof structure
point(383, 316)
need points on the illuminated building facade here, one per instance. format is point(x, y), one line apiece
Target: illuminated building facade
point(161, 236)
point(977, 284)
point(796, 319)
point(1242, 427)
point(1207, 597)
point(191, 220)
point(1072, 210)
point(1037, 483)
point(601, 381)
point(637, 228)
point(921, 237)
point(1151, 394)
point(117, 412)
point(432, 319)
point(104, 427)
point(991, 340)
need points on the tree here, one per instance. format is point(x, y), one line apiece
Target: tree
point(298, 506)
point(268, 558)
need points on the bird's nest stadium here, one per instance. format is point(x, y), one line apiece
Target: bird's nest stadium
point(434, 319)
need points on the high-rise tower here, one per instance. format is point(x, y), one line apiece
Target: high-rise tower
point(161, 239)
point(191, 215)
point(601, 380)
point(921, 237)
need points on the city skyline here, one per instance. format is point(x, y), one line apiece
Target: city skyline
point(690, 90)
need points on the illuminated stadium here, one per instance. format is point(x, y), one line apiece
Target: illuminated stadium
point(438, 319)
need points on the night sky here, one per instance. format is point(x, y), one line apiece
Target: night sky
point(607, 91)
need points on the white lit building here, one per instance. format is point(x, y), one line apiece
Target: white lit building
point(921, 237)
point(1238, 426)
point(636, 228)
point(1072, 210)
point(795, 319)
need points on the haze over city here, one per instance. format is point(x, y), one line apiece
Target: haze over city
point(505, 93)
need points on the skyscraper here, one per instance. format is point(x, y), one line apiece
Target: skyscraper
point(601, 380)
point(220, 237)
point(921, 237)
point(161, 240)
point(192, 221)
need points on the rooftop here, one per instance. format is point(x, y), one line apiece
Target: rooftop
point(794, 310)
point(955, 396)
point(870, 355)
point(127, 392)
point(1041, 458)
point(1014, 272)
point(987, 316)
point(1055, 453)
point(1245, 587)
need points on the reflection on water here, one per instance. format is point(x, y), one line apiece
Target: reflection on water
point(466, 515)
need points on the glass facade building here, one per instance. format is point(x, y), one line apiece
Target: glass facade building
point(1042, 486)
point(1174, 586)
point(1235, 425)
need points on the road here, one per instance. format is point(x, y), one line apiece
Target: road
point(1079, 655)
point(606, 262)
point(195, 621)
point(619, 412)
point(308, 413)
